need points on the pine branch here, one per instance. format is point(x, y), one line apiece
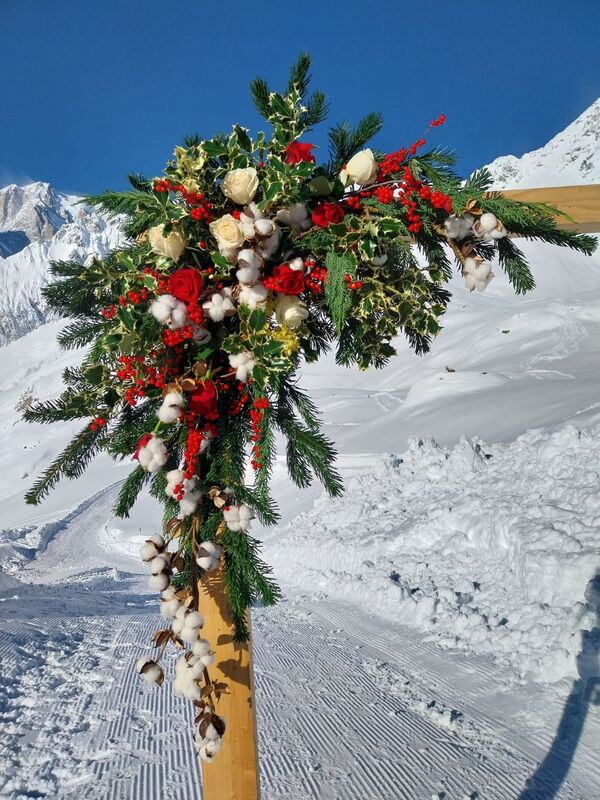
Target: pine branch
point(317, 109)
point(260, 96)
point(346, 141)
point(299, 75)
point(68, 406)
point(72, 462)
point(79, 333)
point(513, 262)
point(128, 494)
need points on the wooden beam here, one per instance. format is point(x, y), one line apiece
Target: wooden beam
point(581, 203)
point(233, 775)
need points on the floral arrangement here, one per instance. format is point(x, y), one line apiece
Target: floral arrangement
point(246, 259)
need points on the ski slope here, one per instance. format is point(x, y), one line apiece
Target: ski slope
point(360, 685)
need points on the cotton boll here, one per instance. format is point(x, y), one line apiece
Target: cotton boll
point(150, 671)
point(267, 247)
point(264, 227)
point(179, 317)
point(194, 619)
point(296, 216)
point(177, 625)
point(470, 266)
point(170, 410)
point(253, 296)
point(499, 232)
point(219, 306)
point(169, 608)
point(161, 308)
point(153, 674)
point(148, 552)
point(470, 282)
point(243, 363)
point(158, 582)
point(156, 540)
point(208, 556)
point(159, 564)
point(208, 660)
point(189, 502)
point(188, 634)
point(248, 275)
point(141, 662)
point(145, 457)
point(207, 752)
point(201, 647)
point(249, 258)
point(297, 264)
point(488, 221)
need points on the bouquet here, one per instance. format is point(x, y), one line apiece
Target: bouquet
point(247, 258)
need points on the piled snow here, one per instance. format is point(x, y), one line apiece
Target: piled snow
point(39, 225)
point(572, 157)
point(484, 547)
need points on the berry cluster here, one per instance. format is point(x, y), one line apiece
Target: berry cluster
point(97, 423)
point(173, 338)
point(352, 284)
point(316, 279)
point(256, 417)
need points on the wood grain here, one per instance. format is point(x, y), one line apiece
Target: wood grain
point(233, 775)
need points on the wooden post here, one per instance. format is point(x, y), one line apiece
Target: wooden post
point(581, 203)
point(233, 775)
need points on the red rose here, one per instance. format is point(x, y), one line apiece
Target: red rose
point(142, 443)
point(186, 285)
point(326, 213)
point(204, 401)
point(299, 151)
point(288, 280)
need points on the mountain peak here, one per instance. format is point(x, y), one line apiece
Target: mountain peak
point(571, 157)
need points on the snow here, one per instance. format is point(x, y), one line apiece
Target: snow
point(39, 225)
point(439, 621)
point(571, 158)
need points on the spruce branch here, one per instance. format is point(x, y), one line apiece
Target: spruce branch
point(130, 490)
point(345, 141)
point(72, 462)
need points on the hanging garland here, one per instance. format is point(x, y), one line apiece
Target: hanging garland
point(245, 259)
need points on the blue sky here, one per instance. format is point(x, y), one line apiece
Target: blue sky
point(93, 90)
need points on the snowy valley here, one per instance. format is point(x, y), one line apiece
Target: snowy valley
point(440, 622)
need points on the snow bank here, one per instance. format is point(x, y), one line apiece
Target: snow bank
point(486, 548)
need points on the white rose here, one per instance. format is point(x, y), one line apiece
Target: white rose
point(229, 235)
point(171, 246)
point(240, 185)
point(290, 311)
point(361, 169)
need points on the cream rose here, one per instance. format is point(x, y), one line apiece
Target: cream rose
point(290, 311)
point(171, 245)
point(229, 235)
point(240, 185)
point(361, 169)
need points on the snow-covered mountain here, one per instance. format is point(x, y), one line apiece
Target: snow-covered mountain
point(39, 225)
point(570, 158)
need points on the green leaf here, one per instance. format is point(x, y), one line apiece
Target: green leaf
point(216, 149)
point(272, 190)
point(279, 105)
point(244, 141)
point(256, 320)
point(94, 375)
